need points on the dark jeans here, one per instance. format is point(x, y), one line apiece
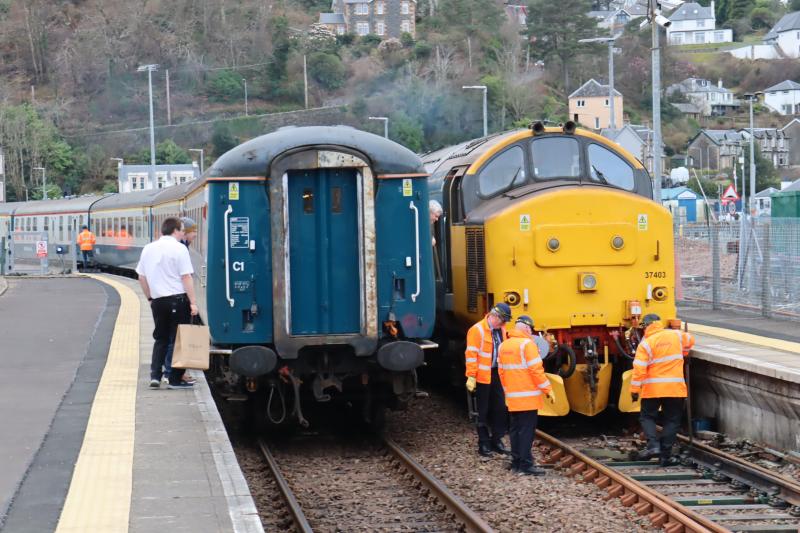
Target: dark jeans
point(671, 412)
point(168, 312)
point(87, 256)
point(492, 412)
point(523, 428)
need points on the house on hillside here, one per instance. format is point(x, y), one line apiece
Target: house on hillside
point(791, 135)
point(138, 178)
point(784, 98)
point(385, 18)
point(771, 142)
point(638, 140)
point(590, 106)
point(713, 100)
point(782, 41)
point(695, 24)
point(689, 109)
point(715, 149)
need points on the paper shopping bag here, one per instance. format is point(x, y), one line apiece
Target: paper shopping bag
point(191, 347)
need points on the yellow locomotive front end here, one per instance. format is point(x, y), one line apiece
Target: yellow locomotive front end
point(580, 254)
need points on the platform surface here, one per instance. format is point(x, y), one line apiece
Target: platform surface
point(91, 447)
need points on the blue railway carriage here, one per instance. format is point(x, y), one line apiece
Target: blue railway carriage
point(319, 268)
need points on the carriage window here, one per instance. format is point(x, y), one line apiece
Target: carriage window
point(308, 201)
point(607, 167)
point(502, 171)
point(555, 157)
point(336, 200)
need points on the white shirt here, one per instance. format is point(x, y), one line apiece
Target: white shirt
point(162, 263)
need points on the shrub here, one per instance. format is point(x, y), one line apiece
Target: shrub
point(327, 69)
point(225, 86)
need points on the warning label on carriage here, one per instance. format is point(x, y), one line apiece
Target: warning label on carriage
point(240, 232)
point(233, 190)
point(641, 222)
point(408, 188)
point(524, 222)
point(41, 248)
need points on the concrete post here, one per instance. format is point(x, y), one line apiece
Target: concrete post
point(716, 304)
point(766, 294)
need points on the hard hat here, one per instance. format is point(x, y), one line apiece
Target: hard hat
point(188, 225)
point(502, 310)
point(649, 319)
point(525, 319)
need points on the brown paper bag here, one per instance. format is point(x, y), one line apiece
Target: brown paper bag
point(191, 347)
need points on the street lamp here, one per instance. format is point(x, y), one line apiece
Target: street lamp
point(150, 69)
point(612, 123)
point(44, 181)
point(201, 157)
point(385, 124)
point(750, 97)
point(485, 90)
point(245, 96)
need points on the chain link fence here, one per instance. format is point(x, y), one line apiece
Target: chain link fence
point(744, 265)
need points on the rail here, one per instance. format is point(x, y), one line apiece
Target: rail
point(300, 521)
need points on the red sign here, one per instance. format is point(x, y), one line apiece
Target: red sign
point(730, 195)
point(41, 248)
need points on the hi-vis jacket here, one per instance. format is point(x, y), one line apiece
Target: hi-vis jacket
point(521, 373)
point(658, 366)
point(478, 356)
point(86, 240)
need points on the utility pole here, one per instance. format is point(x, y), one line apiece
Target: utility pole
point(752, 206)
point(150, 69)
point(169, 110)
point(245, 97)
point(305, 80)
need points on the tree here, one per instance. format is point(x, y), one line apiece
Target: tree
point(222, 139)
point(766, 175)
point(225, 86)
point(554, 29)
point(406, 131)
point(167, 153)
point(795, 5)
point(327, 70)
point(740, 9)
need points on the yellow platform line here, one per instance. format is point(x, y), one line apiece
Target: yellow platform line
point(749, 338)
point(99, 497)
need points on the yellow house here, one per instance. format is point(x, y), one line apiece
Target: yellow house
point(589, 106)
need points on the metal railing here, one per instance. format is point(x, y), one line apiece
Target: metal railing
point(746, 265)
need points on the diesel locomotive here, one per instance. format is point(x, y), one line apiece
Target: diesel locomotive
point(313, 264)
point(560, 224)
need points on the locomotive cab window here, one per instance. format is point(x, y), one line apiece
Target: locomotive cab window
point(608, 168)
point(556, 157)
point(502, 172)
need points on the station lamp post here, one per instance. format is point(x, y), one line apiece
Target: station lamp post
point(612, 122)
point(751, 97)
point(201, 157)
point(485, 113)
point(385, 125)
point(244, 80)
point(149, 69)
point(44, 181)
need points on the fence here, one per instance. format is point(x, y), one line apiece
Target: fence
point(750, 266)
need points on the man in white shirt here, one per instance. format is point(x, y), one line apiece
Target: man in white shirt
point(165, 275)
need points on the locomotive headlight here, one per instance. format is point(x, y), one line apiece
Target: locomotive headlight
point(553, 244)
point(617, 242)
point(587, 282)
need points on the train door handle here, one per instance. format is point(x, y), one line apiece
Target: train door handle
point(416, 243)
point(227, 258)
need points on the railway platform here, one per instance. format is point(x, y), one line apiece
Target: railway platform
point(745, 375)
point(86, 444)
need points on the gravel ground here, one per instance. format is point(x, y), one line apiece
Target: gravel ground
point(438, 435)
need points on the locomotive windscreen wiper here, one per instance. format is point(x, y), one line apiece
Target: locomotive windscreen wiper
point(599, 175)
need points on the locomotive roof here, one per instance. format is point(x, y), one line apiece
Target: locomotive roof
point(61, 205)
point(128, 199)
point(254, 157)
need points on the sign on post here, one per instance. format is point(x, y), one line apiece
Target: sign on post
point(41, 248)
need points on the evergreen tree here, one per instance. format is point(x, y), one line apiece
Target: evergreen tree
point(766, 175)
point(740, 9)
point(722, 7)
point(554, 29)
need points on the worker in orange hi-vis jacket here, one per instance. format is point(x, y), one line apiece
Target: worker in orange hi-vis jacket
point(658, 378)
point(86, 242)
point(525, 384)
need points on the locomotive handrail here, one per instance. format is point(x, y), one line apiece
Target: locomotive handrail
point(416, 237)
point(227, 259)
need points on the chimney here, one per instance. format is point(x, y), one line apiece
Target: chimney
point(713, 11)
point(719, 83)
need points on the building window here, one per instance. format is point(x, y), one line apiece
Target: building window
point(362, 9)
point(404, 8)
point(597, 123)
point(133, 183)
point(161, 181)
point(379, 8)
point(380, 28)
point(362, 28)
point(581, 103)
point(699, 37)
point(719, 36)
point(340, 29)
point(606, 103)
point(701, 23)
point(405, 26)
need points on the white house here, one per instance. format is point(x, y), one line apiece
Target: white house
point(638, 140)
point(138, 177)
point(786, 35)
point(784, 98)
point(713, 100)
point(695, 24)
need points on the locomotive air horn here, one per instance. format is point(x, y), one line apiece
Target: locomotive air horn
point(569, 127)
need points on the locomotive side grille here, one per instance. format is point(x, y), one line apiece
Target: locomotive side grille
point(476, 267)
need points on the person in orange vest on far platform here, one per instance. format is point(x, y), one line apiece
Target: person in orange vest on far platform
point(524, 383)
point(658, 378)
point(483, 342)
point(86, 242)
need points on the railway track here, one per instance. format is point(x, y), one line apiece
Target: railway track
point(377, 487)
point(711, 491)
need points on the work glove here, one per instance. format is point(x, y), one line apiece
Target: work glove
point(551, 396)
point(634, 397)
point(471, 384)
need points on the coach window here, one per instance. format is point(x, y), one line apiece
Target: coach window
point(556, 157)
point(502, 171)
point(608, 168)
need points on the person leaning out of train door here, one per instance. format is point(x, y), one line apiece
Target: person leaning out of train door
point(524, 383)
point(189, 231)
point(658, 378)
point(435, 211)
point(483, 342)
point(86, 241)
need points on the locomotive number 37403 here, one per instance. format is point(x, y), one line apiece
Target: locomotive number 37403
point(655, 274)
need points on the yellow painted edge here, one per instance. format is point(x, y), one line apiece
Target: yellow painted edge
point(99, 497)
point(749, 338)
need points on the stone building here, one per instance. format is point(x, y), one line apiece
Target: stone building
point(384, 18)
